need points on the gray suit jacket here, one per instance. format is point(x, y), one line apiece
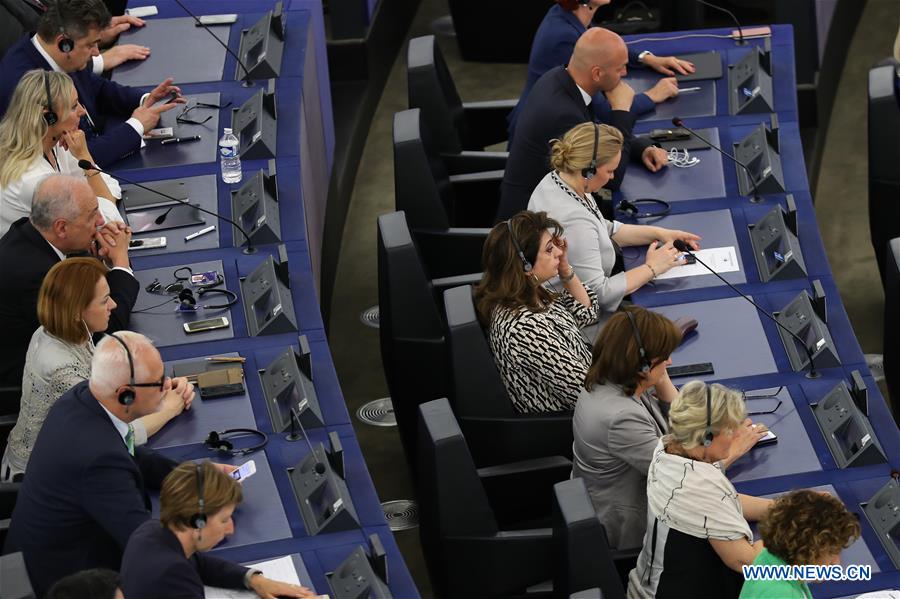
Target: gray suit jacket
point(615, 436)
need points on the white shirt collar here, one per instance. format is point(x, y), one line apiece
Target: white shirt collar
point(584, 95)
point(55, 249)
point(47, 57)
point(121, 426)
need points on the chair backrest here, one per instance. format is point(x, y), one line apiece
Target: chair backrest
point(884, 158)
point(475, 385)
point(411, 328)
point(431, 88)
point(583, 558)
point(14, 581)
point(422, 186)
point(892, 323)
point(452, 500)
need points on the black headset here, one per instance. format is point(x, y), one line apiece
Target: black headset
point(188, 301)
point(645, 362)
point(216, 440)
point(198, 520)
point(589, 172)
point(526, 265)
point(126, 398)
point(50, 116)
point(66, 44)
point(708, 433)
point(631, 209)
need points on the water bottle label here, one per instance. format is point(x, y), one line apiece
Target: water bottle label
point(228, 151)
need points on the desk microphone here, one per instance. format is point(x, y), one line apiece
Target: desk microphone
point(245, 80)
point(88, 165)
point(755, 198)
point(681, 246)
point(293, 436)
point(740, 42)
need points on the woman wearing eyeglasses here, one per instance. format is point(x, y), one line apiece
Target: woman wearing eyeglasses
point(73, 305)
point(35, 143)
point(535, 331)
point(698, 535)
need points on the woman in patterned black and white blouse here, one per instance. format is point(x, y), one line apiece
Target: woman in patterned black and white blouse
point(535, 332)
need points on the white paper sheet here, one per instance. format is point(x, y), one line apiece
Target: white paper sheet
point(277, 569)
point(721, 260)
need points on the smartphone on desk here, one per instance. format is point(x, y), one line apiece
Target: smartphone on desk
point(246, 470)
point(768, 439)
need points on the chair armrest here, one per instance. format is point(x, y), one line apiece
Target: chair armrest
point(486, 121)
point(473, 162)
point(498, 440)
point(475, 199)
point(626, 561)
point(500, 565)
point(10, 397)
point(522, 492)
point(449, 282)
point(451, 252)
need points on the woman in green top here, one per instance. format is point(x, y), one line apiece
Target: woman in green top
point(802, 527)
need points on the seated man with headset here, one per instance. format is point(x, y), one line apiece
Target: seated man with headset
point(86, 487)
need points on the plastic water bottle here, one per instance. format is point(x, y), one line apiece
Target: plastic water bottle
point(230, 158)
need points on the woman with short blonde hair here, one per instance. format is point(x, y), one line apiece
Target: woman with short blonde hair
point(39, 136)
point(73, 304)
point(583, 161)
point(697, 535)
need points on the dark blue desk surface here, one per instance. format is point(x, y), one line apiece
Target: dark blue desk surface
point(716, 229)
point(699, 103)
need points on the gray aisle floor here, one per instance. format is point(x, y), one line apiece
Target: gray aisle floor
point(841, 208)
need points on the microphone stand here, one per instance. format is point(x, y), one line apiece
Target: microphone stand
point(293, 436)
point(681, 246)
point(87, 165)
point(755, 198)
point(245, 80)
point(740, 42)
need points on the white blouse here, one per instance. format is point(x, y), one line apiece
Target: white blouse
point(15, 198)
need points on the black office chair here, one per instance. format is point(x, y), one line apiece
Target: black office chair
point(583, 557)
point(892, 325)
point(449, 215)
point(10, 397)
point(14, 581)
point(495, 430)
point(411, 326)
point(493, 32)
point(9, 492)
point(8, 421)
point(469, 550)
point(457, 126)
point(884, 159)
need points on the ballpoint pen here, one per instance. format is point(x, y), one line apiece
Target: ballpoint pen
point(178, 140)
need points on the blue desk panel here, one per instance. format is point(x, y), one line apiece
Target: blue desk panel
point(716, 229)
point(700, 103)
point(219, 414)
point(792, 454)
point(705, 180)
point(729, 335)
point(260, 517)
point(162, 323)
point(170, 56)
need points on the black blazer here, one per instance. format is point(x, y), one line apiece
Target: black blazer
point(109, 104)
point(25, 258)
point(83, 494)
point(554, 106)
point(154, 566)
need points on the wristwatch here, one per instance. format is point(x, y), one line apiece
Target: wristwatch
point(643, 55)
point(250, 574)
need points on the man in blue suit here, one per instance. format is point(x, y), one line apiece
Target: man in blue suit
point(86, 487)
point(553, 44)
point(561, 99)
point(66, 41)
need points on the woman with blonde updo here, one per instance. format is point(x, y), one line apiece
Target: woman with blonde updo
point(697, 535)
point(564, 193)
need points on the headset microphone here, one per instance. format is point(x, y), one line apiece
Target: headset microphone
point(319, 467)
point(88, 165)
point(755, 198)
point(681, 246)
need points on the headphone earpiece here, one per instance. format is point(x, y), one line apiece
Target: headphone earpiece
point(526, 265)
point(216, 441)
point(126, 397)
point(187, 300)
point(646, 366)
point(198, 520)
point(589, 172)
point(66, 44)
point(708, 433)
point(50, 116)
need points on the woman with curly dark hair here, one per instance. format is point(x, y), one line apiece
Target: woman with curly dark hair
point(802, 527)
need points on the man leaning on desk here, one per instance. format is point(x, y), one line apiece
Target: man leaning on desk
point(67, 39)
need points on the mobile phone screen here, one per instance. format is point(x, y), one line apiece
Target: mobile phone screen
point(246, 470)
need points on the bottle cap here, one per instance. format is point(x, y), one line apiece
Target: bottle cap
point(227, 130)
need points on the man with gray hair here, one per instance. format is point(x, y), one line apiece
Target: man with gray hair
point(64, 220)
point(85, 491)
